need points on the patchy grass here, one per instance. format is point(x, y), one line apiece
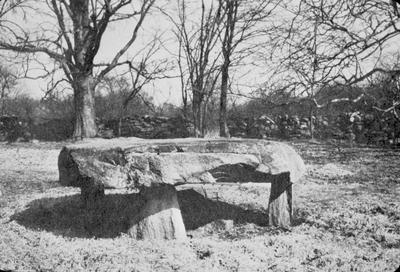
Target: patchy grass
point(347, 218)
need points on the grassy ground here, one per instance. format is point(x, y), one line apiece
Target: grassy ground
point(347, 218)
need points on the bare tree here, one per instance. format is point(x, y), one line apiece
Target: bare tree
point(231, 15)
point(244, 20)
point(304, 43)
point(8, 7)
point(141, 73)
point(384, 89)
point(8, 81)
point(327, 41)
point(183, 81)
point(74, 41)
point(352, 33)
point(197, 41)
point(146, 70)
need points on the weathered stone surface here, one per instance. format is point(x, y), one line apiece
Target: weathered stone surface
point(161, 217)
point(136, 163)
point(280, 208)
point(156, 166)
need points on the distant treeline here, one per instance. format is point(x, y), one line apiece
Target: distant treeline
point(359, 117)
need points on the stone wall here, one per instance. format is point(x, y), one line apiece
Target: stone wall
point(360, 128)
point(355, 127)
point(13, 129)
point(150, 127)
point(52, 130)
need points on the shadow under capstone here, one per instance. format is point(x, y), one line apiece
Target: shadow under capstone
point(240, 173)
point(198, 210)
point(67, 215)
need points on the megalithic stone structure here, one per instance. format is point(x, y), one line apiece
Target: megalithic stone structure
point(155, 167)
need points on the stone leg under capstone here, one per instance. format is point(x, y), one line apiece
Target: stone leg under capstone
point(160, 217)
point(92, 194)
point(280, 209)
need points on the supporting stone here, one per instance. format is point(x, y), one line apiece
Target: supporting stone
point(92, 194)
point(280, 201)
point(160, 217)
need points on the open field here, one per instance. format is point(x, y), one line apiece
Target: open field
point(347, 218)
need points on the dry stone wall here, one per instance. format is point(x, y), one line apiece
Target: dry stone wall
point(359, 128)
point(354, 127)
point(150, 127)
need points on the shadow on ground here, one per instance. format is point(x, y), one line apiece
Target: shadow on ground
point(198, 211)
point(66, 215)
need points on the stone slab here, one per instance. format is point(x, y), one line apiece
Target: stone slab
point(134, 162)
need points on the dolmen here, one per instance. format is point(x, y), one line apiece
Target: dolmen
point(156, 167)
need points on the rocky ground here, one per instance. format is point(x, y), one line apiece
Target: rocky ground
point(347, 218)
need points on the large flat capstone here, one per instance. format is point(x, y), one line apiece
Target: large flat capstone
point(155, 167)
point(134, 162)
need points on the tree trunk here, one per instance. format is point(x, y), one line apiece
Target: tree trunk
point(3, 105)
point(185, 109)
point(121, 117)
point(197, 115)
point(119, 126)
point(3, 100)
point(85, 118)
point(311, 124)
point(204, 117)
point(394, 133)
point(223, 124)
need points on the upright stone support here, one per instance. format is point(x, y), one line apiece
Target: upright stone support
point(280, 201)
point(160, 217)
point(92, 194)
